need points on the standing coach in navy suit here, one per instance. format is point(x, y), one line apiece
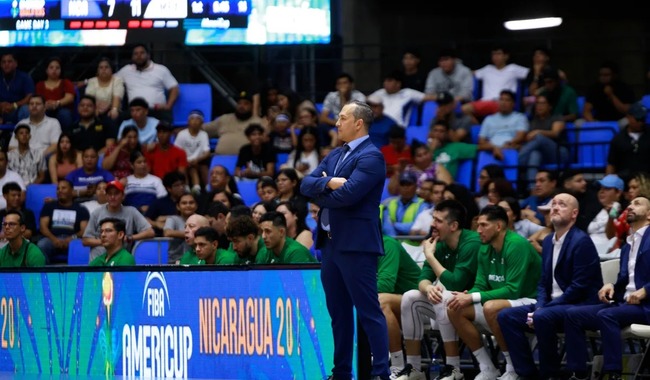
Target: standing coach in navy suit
point(622, 304)
point(347, 185)
point(571, 275)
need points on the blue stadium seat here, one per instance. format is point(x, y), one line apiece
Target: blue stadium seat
point(151, 251)
point(645, 100)
point(229, 161)
point(593, 139)
point(429, 109)
point(414, 114)
point(417, 132)
point(465, 173)
point(78, 254)
point(35, 195)
point(476, 128)
point(248, 192)
point(581, 105)
point(192, 96)
point(510, 164)
point(281, 159)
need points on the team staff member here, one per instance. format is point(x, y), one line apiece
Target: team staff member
point(112, 232)
point(570, 275)
point(347, 185)
point(19, 252)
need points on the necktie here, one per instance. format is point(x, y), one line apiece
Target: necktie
point(325, 214)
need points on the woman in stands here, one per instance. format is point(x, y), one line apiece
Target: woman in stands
point(296, 226)
point(523, 227)
point(142, 188)
point(59, 94)
point(65, 160)
point(108, 91)
point(117, 158)
point(289, 188)
point(260, 208)
point(306, 156)
point(487, 173)
point(423, 166)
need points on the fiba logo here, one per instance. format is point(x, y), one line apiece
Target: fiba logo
point(156, 294)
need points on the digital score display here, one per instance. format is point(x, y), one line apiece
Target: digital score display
point(194, 22)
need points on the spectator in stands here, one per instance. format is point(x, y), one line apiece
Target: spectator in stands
point(230, 128)
point(196, 144)
point(609, 98)
point(257, 158)
point(617, 226)
point(629, 150)
point(216, 215)
point(280, 136)
point(291, 103)
point(14, 96)
point(621, 303)
point(161, 208)
point(545, 141)
point(288, 182)
point(7, 176)
point(397, 273)
point(230, 200)
point(137, 227)
point(86, 178)
point(447, 153)
point(463, 195)
point(280, 248)
point(45, 130)
point(296, 223)
point(308, 119)
point(414, 77)
point(220, 179)
point(397, 154)
point(176, 226)
point(534, 82)
point(99, 200)
point(523, 227)
point(139, 111)
point(451, 77)
point(163, 156)
point(306, 156)
point(562, 97)
point(19, 252)
point(487, 173)
point(397, 100)
point(505, 129)
point(431, 191)
point(61, 221)
point(152, 81)
point(246, 239)
point(544, 190)
point(58, 93)
point(571, 280)
point(450, 266)
point(518, 266)
point(28, 162)
point(267, 189)
point(89, 130)
point(498, 189)
point(400, 211)
point(117, 157)
point(574, 183)
point(335, 100)
point(64, 160)
point(423, 166)
point(260, 208)
point(112, 232)
point(609, 196)
point(381, 126)
point(12, 193)
point(142, 188)
point(108, 91)
point(460, 126)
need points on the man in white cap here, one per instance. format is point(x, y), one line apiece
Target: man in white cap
point(196, 144)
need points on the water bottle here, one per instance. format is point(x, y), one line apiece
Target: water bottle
point(434, 367)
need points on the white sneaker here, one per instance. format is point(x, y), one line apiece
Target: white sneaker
point(394, 371)
point(510, 375)
point(410, 373)
point(449, 372)
point(488, 375)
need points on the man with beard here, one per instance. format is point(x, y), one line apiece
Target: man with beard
point(229, 128)
point(571, 275)
point(151, 81)
point(450, 266)
point(246, 240)
point(508, 271)
point(621, 304)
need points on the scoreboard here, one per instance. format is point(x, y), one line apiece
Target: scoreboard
point(194, 22)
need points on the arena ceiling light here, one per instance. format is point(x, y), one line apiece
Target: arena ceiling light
point(533, 23)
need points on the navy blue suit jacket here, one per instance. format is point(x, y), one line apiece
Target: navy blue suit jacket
point(354, 207)
point(641, 271)
point(577, 271)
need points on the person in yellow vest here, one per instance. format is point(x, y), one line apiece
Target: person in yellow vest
point(399, 212)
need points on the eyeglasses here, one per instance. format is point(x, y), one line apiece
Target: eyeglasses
point(10, 224)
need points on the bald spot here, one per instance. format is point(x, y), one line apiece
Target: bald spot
point(568, 199)
point(198, 220)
